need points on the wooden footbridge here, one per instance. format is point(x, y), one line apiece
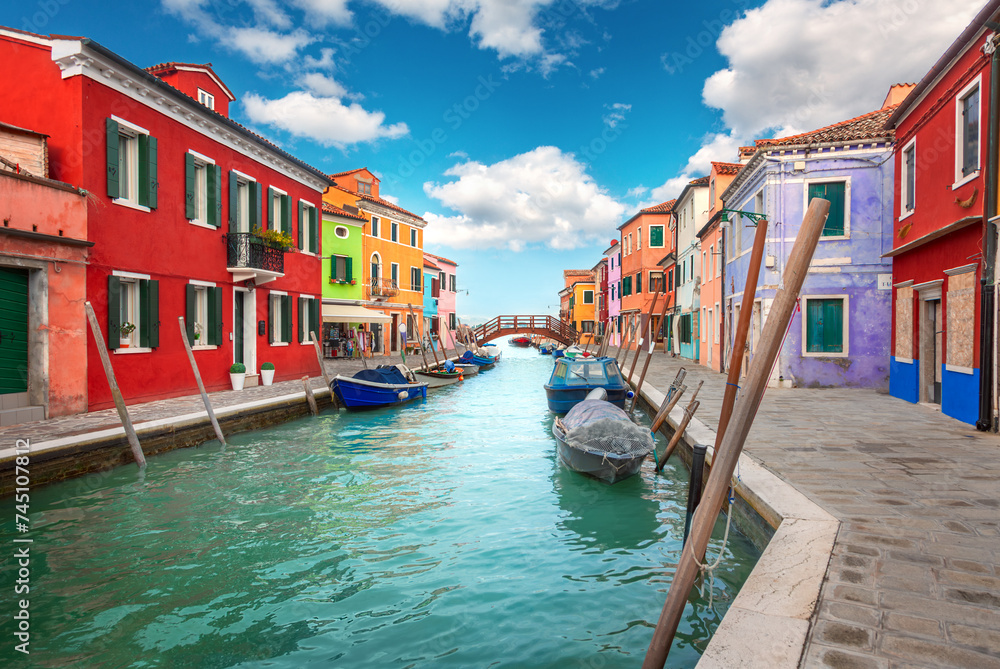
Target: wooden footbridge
point(546, 326)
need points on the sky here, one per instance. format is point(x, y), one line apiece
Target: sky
point(526, 131)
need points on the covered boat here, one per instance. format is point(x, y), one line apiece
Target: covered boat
point(599, 439)
point(572, 379)
point(523, 342)
point(381, 386)
point(445, 375)
point(484, 361)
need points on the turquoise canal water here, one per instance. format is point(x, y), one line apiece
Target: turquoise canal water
point(444, 533)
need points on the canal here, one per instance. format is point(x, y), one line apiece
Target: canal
point(444, 533)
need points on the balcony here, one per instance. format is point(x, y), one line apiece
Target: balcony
point(250, 257)
point(381, 289)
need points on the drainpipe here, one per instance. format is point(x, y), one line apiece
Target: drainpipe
point(722, 300)
point(987, 287)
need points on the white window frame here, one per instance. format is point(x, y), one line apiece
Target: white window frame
point(338, 228)
point(206, 98)
point(413, 238)
point(663, 238)
point(307, 233)
point(275, 318)
point(716, 328)
point(846, 326)
point(201, 186)
point(319, 326)
point(130, 133)
point(243, 203)
point(960, 179)
point(905, 176)
point(131, 279)
point(638, 239)
point(394, 268)
point(274, 210)
point(583, 298)
point(846, 179)
point(201, 313)
point(376, 259)
point(376, 224)
point(393, 231)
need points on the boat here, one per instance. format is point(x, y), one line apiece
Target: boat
point(558, 352)
point(381, 386)
point(572, 379)
point(544, 350)
point(575, 351)
point(522, 342)
point(445, 375)
point(485, 361)
point(598, 439)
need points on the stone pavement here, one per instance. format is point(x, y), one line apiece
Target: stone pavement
point(914, 580)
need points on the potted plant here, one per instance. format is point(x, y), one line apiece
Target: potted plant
point(197, 334)
point(353, 281)
point(126, 334)
point(238, 374)
point(267, 373)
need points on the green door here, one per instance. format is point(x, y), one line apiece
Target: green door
point(13, 331)
point(238, 327)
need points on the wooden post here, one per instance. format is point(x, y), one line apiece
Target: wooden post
point(420, 335)
point(313, 409)
point(319, 357)
point(674, 393)
point(645, 365)
point(642, 338)
point(116, 393)
point(742, 328)
point(201, 385)
point(625, 343)
point(430, 341)
point(692, 406)
point(728, 453)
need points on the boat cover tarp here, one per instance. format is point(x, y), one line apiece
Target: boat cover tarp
point(381, 375)
point(601, 427)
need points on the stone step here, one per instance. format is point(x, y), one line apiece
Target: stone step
point(25, 414)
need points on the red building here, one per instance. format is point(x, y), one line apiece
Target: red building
point(181, 200)
point(945, 192)
point(601, 279)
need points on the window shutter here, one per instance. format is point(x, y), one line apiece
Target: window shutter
point(147, 171)
point(269, 210)
point(286, 318)
point(272, 315)
point(215, 316)
point(190, 187)
point(334, 262)
point(256, 193)
point(114, 305)
point(834, 192)
point(656, 235)
point(313, 319)
point(112, 159)
point(144, 322)
point(234, 202)
point(303, 317)
point(190, 305)
point(214, 195)
point(151, 319)
point(286, 215)
point(301, 221)
point(638, 283)
point(314, 229)
point(349, 269)
point(833, 326)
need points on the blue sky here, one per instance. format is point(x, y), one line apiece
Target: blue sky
point(526, 131)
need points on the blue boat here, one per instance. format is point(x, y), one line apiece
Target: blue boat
point(382, 386)
point(572, 379)
point(484, 361)
point(558, 353)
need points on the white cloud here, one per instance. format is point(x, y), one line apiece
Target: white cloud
point(543, 196)
point(322, 85)
point(264, 46)
point(325, 120)
point(720, 147)
point(616, 113)
point(326, 11)
point(595, 73)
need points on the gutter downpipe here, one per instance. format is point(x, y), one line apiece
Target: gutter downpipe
point(986, 422)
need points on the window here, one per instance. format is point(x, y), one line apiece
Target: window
point(758, 202)
point(280, 323)
point(655, 282)
point(588, 297)
point(904, 323)
point(587, 327)
point(836, 193)
point(279, 210)
point(967, 132)
point(638, 238)
point(394, 270)
point(133, 299)
point(206, 98)
point(736, 236)
point(413, 237)
point(415, 279)
point(670, 279)
point(908, 181)
point(435, 288)
point(685, 329)
point(443, 280)
point(394, 231)
point(452, 321)
point(308, 227)
point(825, 325)
point(202, 190)
point(341, 269)
point(244, 203)
point(341, 231)
point(365, 188)
point(626, 286)
point(960, 310)
point(656, 236)
point(638, 282)
point(203, 314)
point(375, 222)
point(452, 283)
point(711, 194)
point(131, 164)
point(308, 318)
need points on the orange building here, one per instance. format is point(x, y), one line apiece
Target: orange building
point(393, 255)
point(646, 241)
point(713, 354)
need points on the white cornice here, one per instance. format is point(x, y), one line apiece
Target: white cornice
point(74, 58)
point(370, 208)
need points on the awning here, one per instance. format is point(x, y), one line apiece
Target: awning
point(345, 313)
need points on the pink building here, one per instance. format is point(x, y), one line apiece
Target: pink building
point(446, 318)
point(614, 256)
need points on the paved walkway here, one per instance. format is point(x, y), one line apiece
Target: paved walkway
point(915, 576)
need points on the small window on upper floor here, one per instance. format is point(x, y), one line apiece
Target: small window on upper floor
point(394, 231)
point(364, 188)
point(375, 226)
point(413, 237)
point(967, 132)
point(909, 178)
point(202, 190)
point(131, 164)
point(206, 98)
point(279, 210)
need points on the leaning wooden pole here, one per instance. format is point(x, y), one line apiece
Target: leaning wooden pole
point(116, 393)
point(319, 358)
point(201, 385)
point(420, 335)
point(625, 343)
point(728, 453)
point(742, 328)
point(649, 355)
point(692, 406)
point(642, 336)
point(310, 398)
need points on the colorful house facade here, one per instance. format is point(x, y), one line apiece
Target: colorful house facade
point(582, 306)
point(840, 336)
point(393, 257)
point(645, 239)
point(613, 256)
point(690, 213)
point(198, 217)
point(446, 300)
point(942, 247)
point(432, 291)
point(601, 309)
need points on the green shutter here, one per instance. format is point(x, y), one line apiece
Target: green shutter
point(147, 171)
point(303, 317)
point(314, 229)
point(144, 321)
point(213, 194)
point(269, 210)
point(300, 222)
point(190, 305)
point(272, 315)
point(215, 316)
point(833, 326)
point(256, 193)
point(190, 187)
point(286, 318)
point(114, 310)
point(286, 215)
point(333, 267)
point(835, 192)
point(348, 262)
point(638, 283)
point(313, 319)
point(656, 235)
point(234, 202)
point(151, 316)
point(112, 158)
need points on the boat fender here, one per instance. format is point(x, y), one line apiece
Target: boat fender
point(629, 394)
point(403, 394)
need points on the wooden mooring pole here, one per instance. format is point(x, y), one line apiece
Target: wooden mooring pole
point(728, 453)
point(201, 385)
point(674, 393)
point(626, 344)
point(692, 406)
point(649, 355)
point(116, 393)
point(319, 359)
point(313, 407)
point(642, 336)
point(420, 336)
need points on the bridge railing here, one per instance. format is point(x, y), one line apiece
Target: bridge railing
point(544, 325)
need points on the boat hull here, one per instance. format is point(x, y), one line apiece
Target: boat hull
point(356, 394)
point(607, 467)
point(561, 400)
point(438, 380)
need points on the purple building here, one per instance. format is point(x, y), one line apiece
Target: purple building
point(614, 258)
point(840, 334)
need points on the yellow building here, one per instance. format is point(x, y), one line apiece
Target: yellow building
point(393, 255)
point(583, 303)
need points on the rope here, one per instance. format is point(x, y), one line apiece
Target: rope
point(709, 569)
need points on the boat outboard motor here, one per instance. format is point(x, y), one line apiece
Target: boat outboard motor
point(598, 394)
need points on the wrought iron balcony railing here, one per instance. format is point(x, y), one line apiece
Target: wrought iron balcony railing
point(382, 289)
point(245, 250)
